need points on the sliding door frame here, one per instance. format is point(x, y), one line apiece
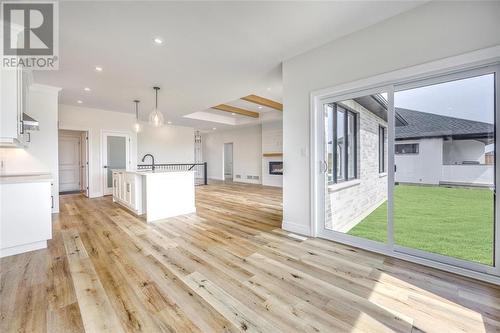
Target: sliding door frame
point(475, 62)
point(462, 75)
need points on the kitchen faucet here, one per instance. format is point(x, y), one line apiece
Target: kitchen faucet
point(152, 159)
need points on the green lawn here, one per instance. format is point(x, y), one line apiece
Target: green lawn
point(456, 222)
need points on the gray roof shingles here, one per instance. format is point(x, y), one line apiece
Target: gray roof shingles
point(423, 124)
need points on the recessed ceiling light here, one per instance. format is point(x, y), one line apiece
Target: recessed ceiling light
point(169, 122)
point(214, 128)
point(99, 69)
point(233, 114)
point(260, 107)
point(158, 41)
point(79, 101)
point(86, 89)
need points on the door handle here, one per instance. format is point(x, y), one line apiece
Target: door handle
point(105, 167)
point(323, 167)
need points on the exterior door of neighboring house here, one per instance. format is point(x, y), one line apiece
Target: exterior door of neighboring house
point(69, 163)
point(228, 161)
point(115, 155)
point(357, 136)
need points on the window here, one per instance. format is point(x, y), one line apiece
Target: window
point(381, 149)
point(406, 148)
point(344, 143)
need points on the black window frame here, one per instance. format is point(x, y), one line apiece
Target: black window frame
point(382, 134)
point(345, 158)
point(414, 152)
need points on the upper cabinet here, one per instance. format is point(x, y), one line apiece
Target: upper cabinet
point(14, 104)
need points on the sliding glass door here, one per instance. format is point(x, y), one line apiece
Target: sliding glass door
point(356, 182)
point(444, 192)
point(410, 169)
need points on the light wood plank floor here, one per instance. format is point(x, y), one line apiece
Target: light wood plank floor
point(227, 268)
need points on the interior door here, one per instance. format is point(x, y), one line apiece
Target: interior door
point(228, 161)
point(115, 156)
point(69, 163)
point(84, 163)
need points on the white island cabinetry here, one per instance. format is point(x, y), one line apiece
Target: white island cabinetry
point(127, 190)
point(159, 195)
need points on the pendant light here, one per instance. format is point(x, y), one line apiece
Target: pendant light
point(137, 124)
point(156, 117)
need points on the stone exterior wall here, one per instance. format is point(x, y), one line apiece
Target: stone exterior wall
point(350, 202)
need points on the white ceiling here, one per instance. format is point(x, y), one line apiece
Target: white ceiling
point(213, 52)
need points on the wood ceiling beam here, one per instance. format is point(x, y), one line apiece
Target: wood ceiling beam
point(263, 101)
point(234, 109)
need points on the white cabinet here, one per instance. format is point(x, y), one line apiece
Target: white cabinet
point(127, 190)
point(25, 215)
point(14, 87)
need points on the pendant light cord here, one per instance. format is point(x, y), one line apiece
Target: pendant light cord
point(156, 93)
point(136, 109)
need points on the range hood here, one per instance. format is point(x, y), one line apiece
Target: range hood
point(30, 124)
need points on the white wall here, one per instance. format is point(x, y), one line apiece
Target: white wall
point(430, 32)
point(247, 153)
point(272, 142)
point(41, 154)
point(96, 121)
point(168, 144)
point(422, 168)
point(481, 175)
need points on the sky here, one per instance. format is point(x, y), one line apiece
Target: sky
point(471, 98)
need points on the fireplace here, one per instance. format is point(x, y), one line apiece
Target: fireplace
point(276, 168)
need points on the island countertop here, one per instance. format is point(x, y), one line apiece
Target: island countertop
point(150, 172)
point(25, 178)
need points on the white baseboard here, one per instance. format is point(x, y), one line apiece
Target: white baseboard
point(302, 229)
point(10, 251)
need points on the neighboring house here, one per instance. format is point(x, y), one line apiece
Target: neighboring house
point(429, 149)
point(357, 173)
point(435, 149)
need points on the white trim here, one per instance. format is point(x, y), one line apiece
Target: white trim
point(497, 169)
point(10, 251)
point(391, 177)
point(408, 76)
point(298, 228)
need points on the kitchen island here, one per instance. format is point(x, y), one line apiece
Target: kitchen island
point(157, 194)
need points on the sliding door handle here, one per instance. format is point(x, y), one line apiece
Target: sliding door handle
point(323, 166)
